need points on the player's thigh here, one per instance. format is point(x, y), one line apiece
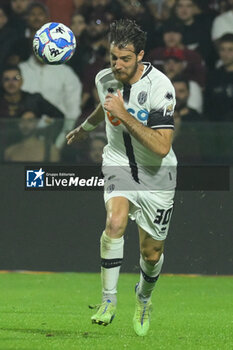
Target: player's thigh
point(117, 216)
point(150, 248)
point(156, 210)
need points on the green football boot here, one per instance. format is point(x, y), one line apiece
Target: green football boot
point(105, 313)
point(141, 320)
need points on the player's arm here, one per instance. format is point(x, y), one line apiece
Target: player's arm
point(158, 141)
point(81, 132)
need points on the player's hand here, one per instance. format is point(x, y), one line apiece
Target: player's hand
point(115, 105)
point(76, 135)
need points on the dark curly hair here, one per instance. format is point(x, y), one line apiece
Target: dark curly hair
point(124, 32)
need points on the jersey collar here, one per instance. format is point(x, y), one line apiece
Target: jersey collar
point(147, 69)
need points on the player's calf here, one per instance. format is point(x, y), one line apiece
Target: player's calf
point(149, 276)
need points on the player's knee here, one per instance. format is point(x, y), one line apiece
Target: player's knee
point(116, 225)
point(151, 256)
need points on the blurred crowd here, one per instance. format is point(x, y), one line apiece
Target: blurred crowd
point(191, 41)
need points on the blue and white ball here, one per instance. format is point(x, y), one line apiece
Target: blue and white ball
point(54, 43)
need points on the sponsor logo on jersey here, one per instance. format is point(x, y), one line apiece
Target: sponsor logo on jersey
point(142, 97)
point(113, 120)
point(142, 115)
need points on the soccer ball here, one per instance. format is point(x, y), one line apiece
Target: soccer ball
point(54, 43)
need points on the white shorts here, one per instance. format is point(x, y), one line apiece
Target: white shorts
point(151, 210)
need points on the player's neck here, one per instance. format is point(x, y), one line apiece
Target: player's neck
point(137, 76)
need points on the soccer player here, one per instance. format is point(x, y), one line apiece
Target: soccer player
point(139, 165)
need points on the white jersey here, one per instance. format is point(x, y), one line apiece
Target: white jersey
point(151, 101)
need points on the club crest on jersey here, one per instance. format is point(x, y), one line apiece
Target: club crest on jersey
point(169, 96)
point(142, 97)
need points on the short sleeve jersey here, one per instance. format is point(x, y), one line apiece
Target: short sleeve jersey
point(151, 101)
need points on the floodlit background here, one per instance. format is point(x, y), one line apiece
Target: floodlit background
point(191, 41)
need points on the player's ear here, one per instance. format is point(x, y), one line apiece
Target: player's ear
point(140, 56)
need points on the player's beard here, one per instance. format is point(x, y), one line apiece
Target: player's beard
point(125, 77)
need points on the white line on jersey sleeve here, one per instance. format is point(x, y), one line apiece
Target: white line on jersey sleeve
point(162, 127)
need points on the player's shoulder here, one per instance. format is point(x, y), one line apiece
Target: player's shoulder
point(157, 78)
point(103, 75)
